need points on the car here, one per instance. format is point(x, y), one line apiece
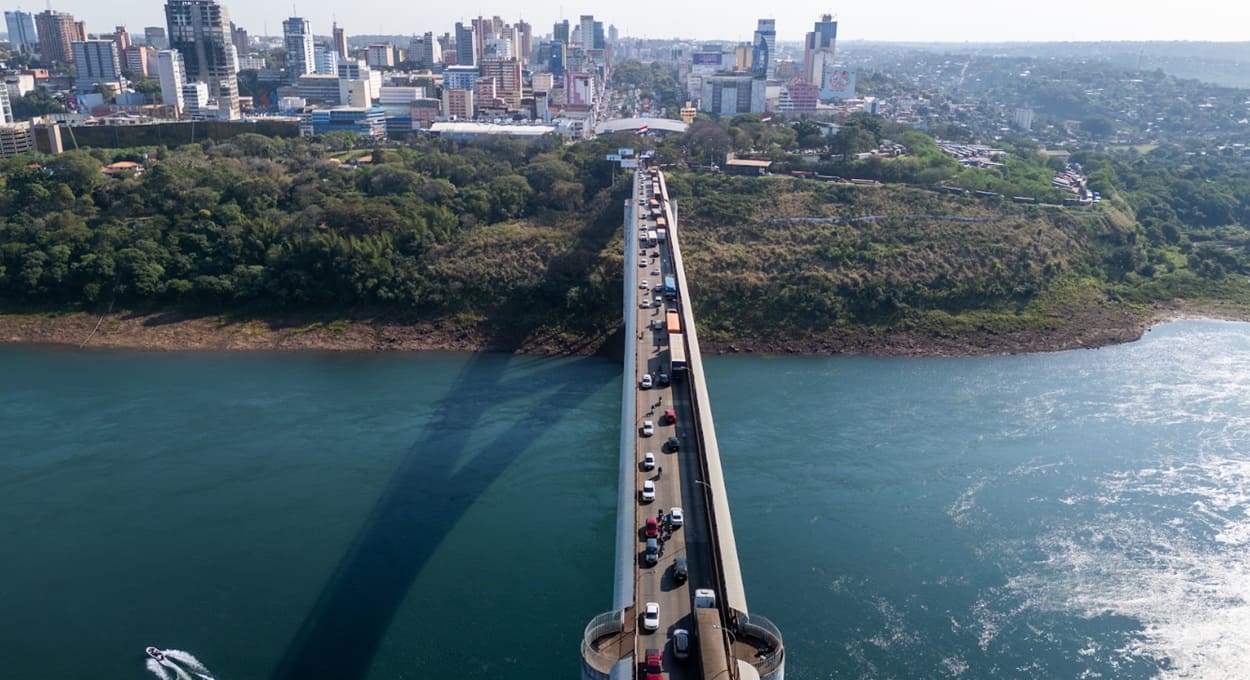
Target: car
point(658, 325)
point(648, 428)
point(654, 272)
point(681, 643)
point(672, 445)
point(652, 554)
point(652, 528)
point(681, 571)
point(653, 670)
point(663, 377)
point(669, 417)
point(643, 285)
point(676, 517)
point(643, 263)
point(642, 253)
point(648, 491)
point(645, 303)
point(645, 383)
point(648, 461)
point(651, 616)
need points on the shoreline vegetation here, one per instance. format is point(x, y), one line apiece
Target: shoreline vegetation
point(176, 331)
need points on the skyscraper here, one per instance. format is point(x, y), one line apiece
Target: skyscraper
point(466, 45)
point(524, 40)
point(588, 32)
point(764, 46)
point(560, 32)
point(96, 61)
point(298, 40)
point(170, 71)
point(156, 38)
point(56, 31)
point(340, 41)
point(22, 34)
point(819, 49)
point(199, 30)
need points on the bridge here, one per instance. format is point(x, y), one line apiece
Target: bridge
point(679, 606)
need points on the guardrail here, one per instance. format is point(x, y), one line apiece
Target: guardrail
point(728, 616)
point(754, 625)
point(607, 623)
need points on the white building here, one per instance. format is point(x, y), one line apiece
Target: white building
point(195, 97)
point(298, 40)
point(172, 76)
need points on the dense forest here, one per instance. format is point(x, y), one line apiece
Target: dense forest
point(498, 232)
point(517, 239)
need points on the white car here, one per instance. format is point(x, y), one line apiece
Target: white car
point(643, 263)
point(654, 272)
point(643, 285)
point(645, 304)
point(648, 491)
point(648, 461)
point(676, 517)
point(648, 428)
point(645, 383)
point(651, 616)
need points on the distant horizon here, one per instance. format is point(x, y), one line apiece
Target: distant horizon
point(903, 21)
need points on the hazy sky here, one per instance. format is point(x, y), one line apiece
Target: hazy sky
point(892, 20)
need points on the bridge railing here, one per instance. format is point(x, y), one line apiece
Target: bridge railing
point(601, 626)
point(759, 627)
point(727, 615)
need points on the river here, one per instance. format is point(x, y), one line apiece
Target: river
point(1076, 514)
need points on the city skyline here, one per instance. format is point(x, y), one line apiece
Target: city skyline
point(971, 21)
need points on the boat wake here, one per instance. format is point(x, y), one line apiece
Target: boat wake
point(176, 664)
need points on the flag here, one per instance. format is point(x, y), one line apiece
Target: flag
point(641, 129)
point(765, 119)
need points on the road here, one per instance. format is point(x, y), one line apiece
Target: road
point(676, 486)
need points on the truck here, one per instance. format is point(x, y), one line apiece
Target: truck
point(662, 233)
point(704, 598)
point(677, 354)
point(672, 320)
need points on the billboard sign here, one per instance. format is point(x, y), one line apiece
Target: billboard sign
point(629, 162)
point(839, 84)
point(625, 151)
point(613, 157)
point(706, 58)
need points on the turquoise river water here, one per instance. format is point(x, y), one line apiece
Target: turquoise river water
point(1067, 515)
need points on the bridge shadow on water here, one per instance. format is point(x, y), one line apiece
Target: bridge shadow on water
point(436, 483)
point(431, 489)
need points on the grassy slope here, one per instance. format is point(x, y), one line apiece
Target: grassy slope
point(761, 277)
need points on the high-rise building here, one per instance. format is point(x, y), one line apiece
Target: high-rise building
point(172, 75)
point(136, 59)
point(22, 34)
point(818, 50)
point(298, 40)
point(558, 61)
point(507, 76)
point(425, 50)
point(96, 61)
point(122, 37)
point(56, 31)
point(729, 95)
point(588, 32)
point(466, 45)
point(195, 97)
point(380, 55)
point(614, 36)
point(524, 40)
point(560, 32)
point(597, 41)
point(764, 50)
point(240, 39)
point(327, 60)
point(460, 77)
point(339, 39)
point(199, 30)
point(156, 38)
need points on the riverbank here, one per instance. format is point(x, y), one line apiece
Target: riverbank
point(172, 331)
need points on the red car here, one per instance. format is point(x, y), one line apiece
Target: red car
point(652, 528)
point(670, 417)
point(652, 670)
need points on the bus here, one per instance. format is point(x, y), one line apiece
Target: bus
point(677, 355)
